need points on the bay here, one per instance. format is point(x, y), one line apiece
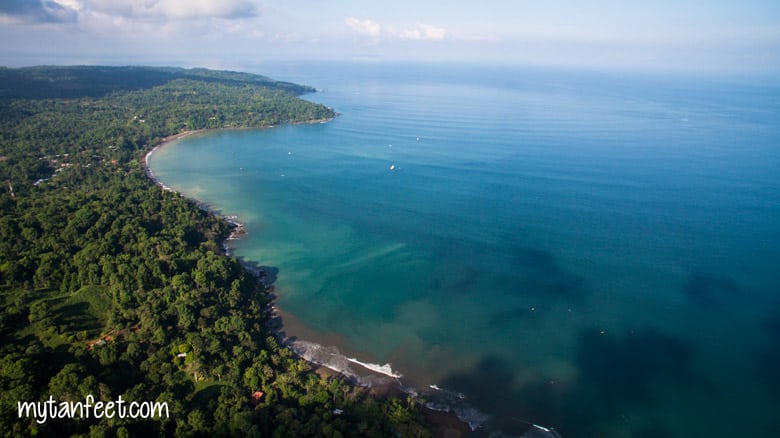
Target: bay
point(593, 252)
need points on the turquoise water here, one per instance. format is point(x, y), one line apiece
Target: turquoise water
point(596, 253)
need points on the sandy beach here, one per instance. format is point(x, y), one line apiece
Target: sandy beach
point(163, 143)
point(290, 329)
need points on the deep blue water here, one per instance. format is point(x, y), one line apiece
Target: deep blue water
point(593, 252)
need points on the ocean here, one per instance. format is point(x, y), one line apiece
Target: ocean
point(593, 252)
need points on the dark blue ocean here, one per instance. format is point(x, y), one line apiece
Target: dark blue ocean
point(597, 253)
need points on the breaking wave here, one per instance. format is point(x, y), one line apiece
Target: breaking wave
point(385, 369)
point(444, 400)
point(440, 400)
point(331, 357)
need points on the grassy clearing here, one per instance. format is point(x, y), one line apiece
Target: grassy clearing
point(54, 317)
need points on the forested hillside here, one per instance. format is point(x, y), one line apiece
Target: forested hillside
point(110, 286)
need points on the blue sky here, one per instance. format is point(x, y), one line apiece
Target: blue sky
point(715, 35)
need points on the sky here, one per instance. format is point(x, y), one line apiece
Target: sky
point(694, 35)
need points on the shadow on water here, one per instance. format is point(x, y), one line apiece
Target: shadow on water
point(489, 385)
point(768, 359)
point(538, 273)
point(615, 375)
point(709, 290)
point(538, 284)
point(532, 271)
point(624, 370)
point(265, 274)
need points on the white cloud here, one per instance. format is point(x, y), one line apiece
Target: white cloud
point(424, 32)
point(35, 11)
point(183, 9)
point(74, 5)
point(364, 27)
point(164, 9)
point(421, 32)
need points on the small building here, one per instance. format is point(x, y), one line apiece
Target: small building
point(256, 396)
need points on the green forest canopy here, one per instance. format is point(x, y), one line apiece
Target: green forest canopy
point(112, 287)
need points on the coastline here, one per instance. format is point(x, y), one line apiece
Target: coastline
point(238, 230)
point(164, 142)
point(380, 383)
point(184, 134)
